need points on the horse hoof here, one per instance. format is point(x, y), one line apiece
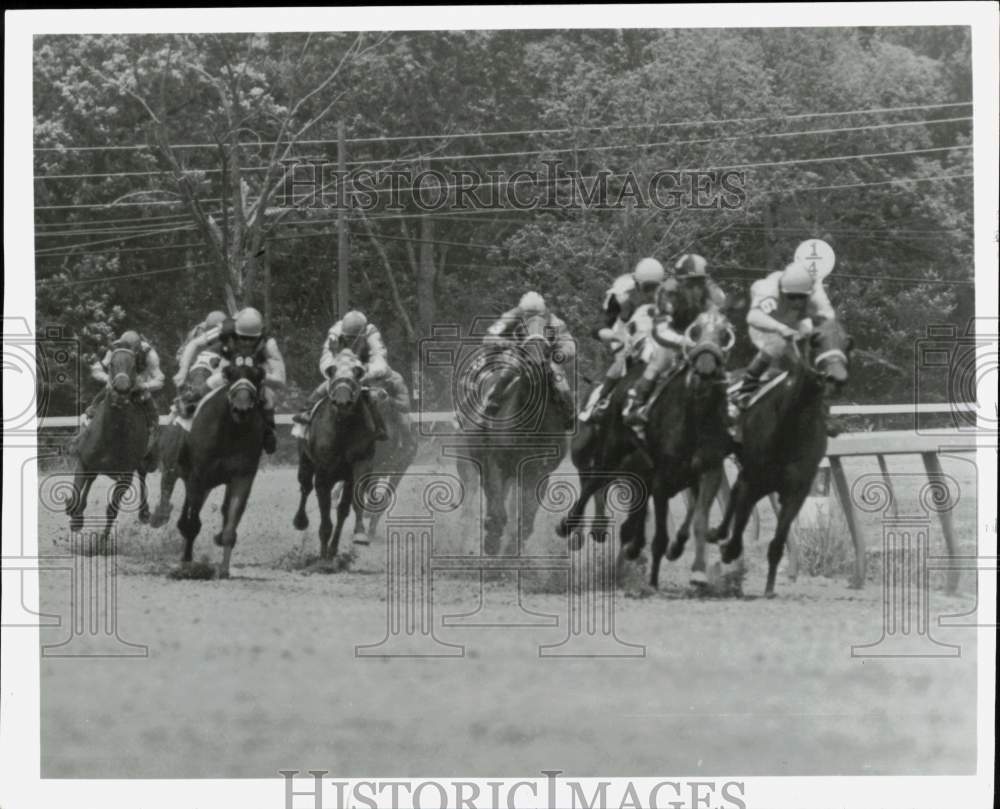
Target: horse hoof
point(682, 538)
point(576, 540)
point(301, 522)
point(713, 536)
point(675, 550)
point(158, 520)
point(75, 524)
point(632, 551)
point(769, 593)
point(562, 528)
point(223, 572)
point(217, 539)
point(361, 539)
point(698, 578)
point(729, 553)
point(144, 517)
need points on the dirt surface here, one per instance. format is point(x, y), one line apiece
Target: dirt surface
point(257, 673)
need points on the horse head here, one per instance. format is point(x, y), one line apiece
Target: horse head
point(829, 351)
point(121, 374)
point(710, 337)
point(344, 387)
point(244, 378)
point(196, 384)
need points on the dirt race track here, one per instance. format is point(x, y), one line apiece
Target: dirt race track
point(258, 673)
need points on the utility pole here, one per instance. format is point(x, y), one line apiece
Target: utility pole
point(343, 245)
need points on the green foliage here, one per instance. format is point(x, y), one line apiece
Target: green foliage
point(160, 271)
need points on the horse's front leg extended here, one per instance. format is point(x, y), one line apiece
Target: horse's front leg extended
point(189, 523)
point(343, 509)
point(324, 488)
point(143, 498)
point(661, 538)
point(118, 491)
point(76, 505)
point(306, 474)
point(708, 486)
point(791, 503)
point(590, 483)
point(237, 494)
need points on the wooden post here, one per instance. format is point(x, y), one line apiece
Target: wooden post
point(266, 260)
point(343, 246)
point(893, 504)
point(844, 495)
point(933, 466)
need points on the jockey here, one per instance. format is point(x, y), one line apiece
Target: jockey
point(149, 379)
point(244, 336)
point(690, 273)
point(784, 305)
point(213, 320)
point(630, 300)
point(507, 329)
point(354, 331)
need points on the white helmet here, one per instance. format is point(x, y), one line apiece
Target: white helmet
point(249, 323)
point(649, 271)
point(353, 324)
point(531, 303)
point(796, 280)
point(691, 265)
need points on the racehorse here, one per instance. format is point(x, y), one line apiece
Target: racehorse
point(338, 444)
point(522, 441)
point(113, 444)
point(386, 468)
point(784, 440)
point(172, 436)
point(223, 448)
point(684, 445)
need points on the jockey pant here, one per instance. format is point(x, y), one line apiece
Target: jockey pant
point(661, 358)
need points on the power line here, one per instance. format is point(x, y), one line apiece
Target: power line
point(509, 133)
point(568, 150)
point(124, 276)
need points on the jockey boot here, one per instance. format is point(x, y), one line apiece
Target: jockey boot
point(569, 408)
point(302, 417)
point(637, 396)
point(373, 419)
point(751, 379)
point(270, 432)
point(151, 459)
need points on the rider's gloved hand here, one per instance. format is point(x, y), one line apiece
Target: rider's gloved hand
point(178, 379)
point(788, 332)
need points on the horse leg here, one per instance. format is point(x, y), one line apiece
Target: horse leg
point(589, 486)
point(660, 538)
point(306, 474)
point(742, 504)
point(324, 487)
point(392, 486)
point(189, 523)
point(363, 471)
point(143, 498)
point(119, 489)
point(235, 501)
point(684, 532)
point(706, 489)
point(532, 493)
point(343, 509)
point(168, 479)
point(218, 538)
point(77, 504)
point(790, 505)
point(600, 516)
point(721, 531)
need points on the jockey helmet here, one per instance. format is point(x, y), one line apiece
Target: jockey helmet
point(531, 303)
point(131, 340)
point(353, 324)
point(249, 323)
point(795, 280)
point(649, 271)
point(691, 265)
point(214, 319)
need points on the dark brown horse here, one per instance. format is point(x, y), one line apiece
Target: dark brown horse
point(521, 442)
point(223, 449)
point(684, 446)
point(338, 445)
point(173, 436)
point(386, 468)
point(113, 444)
point(784, 440)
